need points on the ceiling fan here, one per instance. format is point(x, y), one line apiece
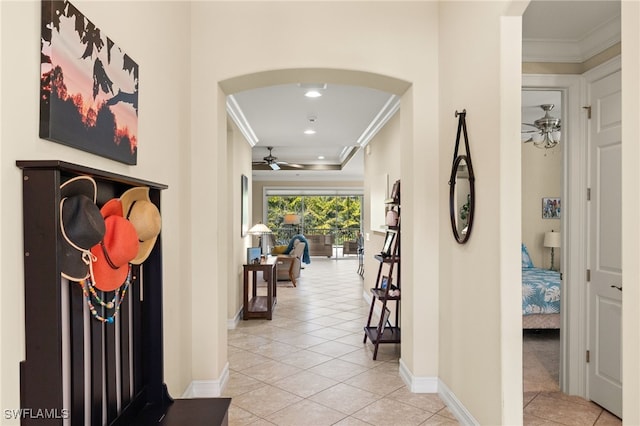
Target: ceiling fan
point(547, 130)
point(273, 163)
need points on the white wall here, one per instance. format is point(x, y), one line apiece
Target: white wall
point(630, 206)
point(480, 334)
point(157, 45)
point(541, 177)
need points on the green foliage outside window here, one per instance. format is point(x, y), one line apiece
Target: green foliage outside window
point(317, 212)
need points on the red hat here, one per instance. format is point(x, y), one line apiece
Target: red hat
point(118, 247)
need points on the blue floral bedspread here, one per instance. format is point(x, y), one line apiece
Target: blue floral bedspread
point(540, 291)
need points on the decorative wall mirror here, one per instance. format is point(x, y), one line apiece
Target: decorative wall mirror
point(461, 187)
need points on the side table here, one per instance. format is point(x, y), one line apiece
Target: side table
point(260, 306)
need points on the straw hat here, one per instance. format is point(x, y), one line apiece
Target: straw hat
point(145, 217)
point(116, 250)
point(81, 226)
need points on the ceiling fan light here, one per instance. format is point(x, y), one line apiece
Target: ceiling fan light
point(546, 142)
point(309, 132)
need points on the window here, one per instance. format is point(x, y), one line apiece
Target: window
point(330, 214)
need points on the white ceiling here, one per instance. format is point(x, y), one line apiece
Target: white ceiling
point(348, 116)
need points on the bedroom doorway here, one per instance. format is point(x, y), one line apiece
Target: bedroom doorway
point(542, 210)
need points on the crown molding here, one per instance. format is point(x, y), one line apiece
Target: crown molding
point(572, 51)
point(236, 114)
point(388, 110)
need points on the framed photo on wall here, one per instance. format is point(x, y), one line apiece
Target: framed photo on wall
point(551, 208)
point(244, 206)
point(88, 86)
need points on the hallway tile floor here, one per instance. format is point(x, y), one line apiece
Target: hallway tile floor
point(309, 366)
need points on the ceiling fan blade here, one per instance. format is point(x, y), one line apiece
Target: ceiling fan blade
point(274, 166)
point(529, 124)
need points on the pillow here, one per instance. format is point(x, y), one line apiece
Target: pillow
point(526, 259)
point(279, 250)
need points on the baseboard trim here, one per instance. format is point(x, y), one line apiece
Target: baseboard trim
point(435, 385)
point(232, 323)
point(455, 406)
point(208, 388)
point(417, 384)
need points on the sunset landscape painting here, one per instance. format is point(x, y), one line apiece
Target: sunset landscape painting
point(88, 86)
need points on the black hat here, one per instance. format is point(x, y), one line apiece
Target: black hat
point(81, 226)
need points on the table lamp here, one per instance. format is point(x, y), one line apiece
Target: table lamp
point(552, 240)
point(261, 230)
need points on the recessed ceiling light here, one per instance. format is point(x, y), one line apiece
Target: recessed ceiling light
point(313, 93)
point(309, 132)
point(320, 157)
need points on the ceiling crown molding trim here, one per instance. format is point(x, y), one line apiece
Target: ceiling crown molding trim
point(346, 152)
point(388, 110)
point(572, 51)
point(602, 38)
point(234, 110)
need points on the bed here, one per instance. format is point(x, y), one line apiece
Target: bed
point(540, 295)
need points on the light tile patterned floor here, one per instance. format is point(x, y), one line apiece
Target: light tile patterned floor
point(308, 366)
point(543, 402)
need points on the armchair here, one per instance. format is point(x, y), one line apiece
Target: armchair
point(288, 265)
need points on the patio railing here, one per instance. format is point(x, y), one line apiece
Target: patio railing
point(340, 235)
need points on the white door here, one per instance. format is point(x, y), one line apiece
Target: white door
point(605, 245)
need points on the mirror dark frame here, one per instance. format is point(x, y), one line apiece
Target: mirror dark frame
point(457, 160)
point(461, 238)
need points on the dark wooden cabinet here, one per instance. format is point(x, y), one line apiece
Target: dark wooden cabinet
point(98, 373)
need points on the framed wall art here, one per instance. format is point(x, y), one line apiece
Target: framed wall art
point(88, 86)
point(244, 206)
point(551, 208)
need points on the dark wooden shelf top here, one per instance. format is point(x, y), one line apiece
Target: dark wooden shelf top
point(83, 170)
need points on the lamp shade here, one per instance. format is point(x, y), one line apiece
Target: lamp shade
point(259, 229)
point(291, 219)
point(552, 239)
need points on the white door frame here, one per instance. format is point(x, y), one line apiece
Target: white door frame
point(574, 224)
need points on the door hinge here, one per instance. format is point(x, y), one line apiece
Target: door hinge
point(588, 355)
point(588, 194)
point(588, 108)
point(588, 275)
point(561, 276)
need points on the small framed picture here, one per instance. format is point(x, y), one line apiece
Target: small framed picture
point(551, 208)
point(384, 282)
point(395, 192)
point(385, 318)
point(388, 241)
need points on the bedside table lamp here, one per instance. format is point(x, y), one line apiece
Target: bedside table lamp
point(552, 240)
